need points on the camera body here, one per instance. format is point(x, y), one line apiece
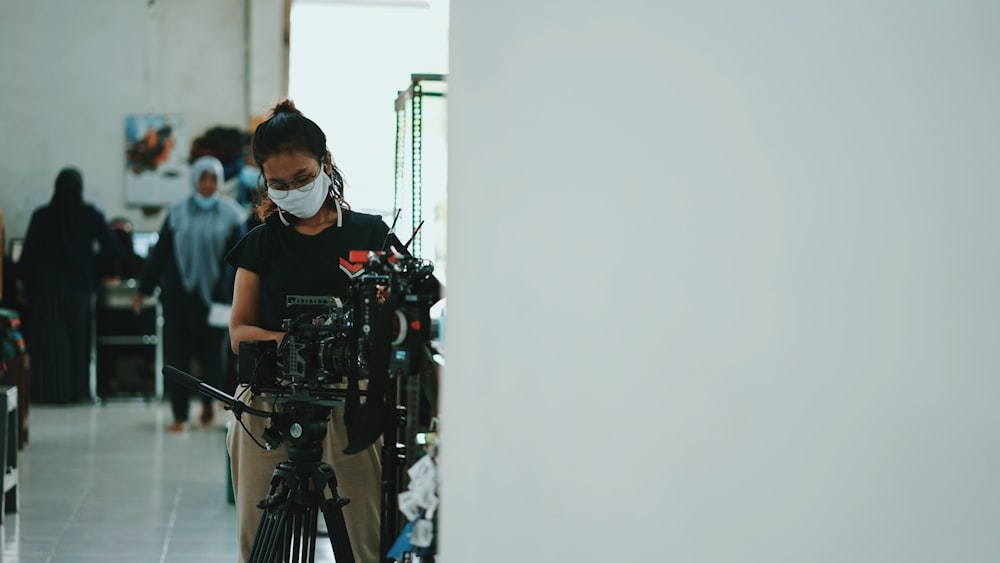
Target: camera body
point(380, 329)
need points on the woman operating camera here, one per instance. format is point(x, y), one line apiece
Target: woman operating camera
point(302, 247)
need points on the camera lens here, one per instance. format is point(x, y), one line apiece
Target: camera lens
point(335, 355)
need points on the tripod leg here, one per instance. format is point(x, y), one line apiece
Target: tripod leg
point(287, 530)
point(270, 535)
point(333, 514)
point(287, 533)
point(307, 525)
point(273, 532)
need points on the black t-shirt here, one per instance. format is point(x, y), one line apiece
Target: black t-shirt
point(291, 263)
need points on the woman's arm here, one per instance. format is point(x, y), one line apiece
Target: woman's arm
point(152, 271)
point(244, 320)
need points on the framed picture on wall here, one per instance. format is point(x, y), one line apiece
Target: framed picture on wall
point(156, 169)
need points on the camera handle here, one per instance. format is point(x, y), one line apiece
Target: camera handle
point(296, 495)
point(193, 383)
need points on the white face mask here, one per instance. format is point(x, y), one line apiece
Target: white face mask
point(306, 201)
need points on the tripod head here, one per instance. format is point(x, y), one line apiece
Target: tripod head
point(303, 425)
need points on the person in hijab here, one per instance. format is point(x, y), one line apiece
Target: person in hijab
point(58, 270)
point(188, 265)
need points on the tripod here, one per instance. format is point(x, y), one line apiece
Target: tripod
point(299, 486)
point(297, 493)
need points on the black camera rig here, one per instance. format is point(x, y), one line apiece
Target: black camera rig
point(381, 334)
point(380, 330)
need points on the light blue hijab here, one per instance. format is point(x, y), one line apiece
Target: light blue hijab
point(201, 231)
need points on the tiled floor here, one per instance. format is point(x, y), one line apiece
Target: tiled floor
point(108, 483)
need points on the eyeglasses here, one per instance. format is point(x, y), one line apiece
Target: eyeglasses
point(303, 183)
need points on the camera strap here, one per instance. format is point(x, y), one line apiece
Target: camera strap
point(367, 421)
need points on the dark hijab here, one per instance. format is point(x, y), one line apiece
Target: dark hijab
point(67, 205)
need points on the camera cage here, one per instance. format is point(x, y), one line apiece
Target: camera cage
point(331, 344)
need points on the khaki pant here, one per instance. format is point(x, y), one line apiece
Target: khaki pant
point(359, 478)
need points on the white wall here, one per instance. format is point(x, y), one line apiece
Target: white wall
point(722, 282)
point(348, 63)
point(74, 70)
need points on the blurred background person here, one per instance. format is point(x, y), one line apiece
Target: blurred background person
point(249, 184)
point(128, 265)
point(188, 265)
point(124, 365)
point(58, 270)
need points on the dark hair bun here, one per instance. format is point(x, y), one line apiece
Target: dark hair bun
point(285, 106)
